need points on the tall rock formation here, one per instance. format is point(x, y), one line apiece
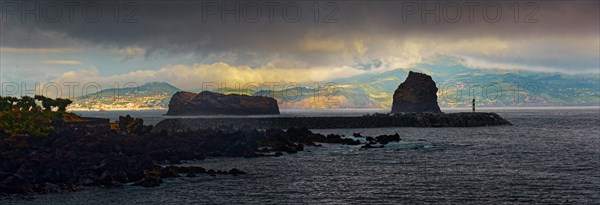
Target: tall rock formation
point(416, 94)
point(210, 103)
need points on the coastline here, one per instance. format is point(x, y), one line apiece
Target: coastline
point(444, 109)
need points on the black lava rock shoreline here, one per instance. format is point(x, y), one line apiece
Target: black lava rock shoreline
point(465, 119)
point(70, 159)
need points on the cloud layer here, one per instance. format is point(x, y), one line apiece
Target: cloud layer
point(201, 40)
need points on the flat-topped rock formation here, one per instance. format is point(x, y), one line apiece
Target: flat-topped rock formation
point(416, 94)
point(477, 119)
point(210, 103)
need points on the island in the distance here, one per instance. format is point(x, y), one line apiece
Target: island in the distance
point(414, 105)
point(211, 103)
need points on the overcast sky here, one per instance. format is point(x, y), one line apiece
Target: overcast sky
point(190, 42)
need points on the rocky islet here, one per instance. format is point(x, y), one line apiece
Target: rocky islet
point(211, 103)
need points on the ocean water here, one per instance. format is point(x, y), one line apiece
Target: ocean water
point(548, 156)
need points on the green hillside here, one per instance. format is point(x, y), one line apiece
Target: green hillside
point(154, 95)
point(457, 85)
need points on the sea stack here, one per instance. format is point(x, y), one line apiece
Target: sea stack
point(416, 94)
point(211, 103)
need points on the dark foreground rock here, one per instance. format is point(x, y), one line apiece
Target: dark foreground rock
point(467, 119)
point(385, 139)
point(210, 103)
point(66, 161)
point(154, 177)
point(379, 141)
point(416, 94)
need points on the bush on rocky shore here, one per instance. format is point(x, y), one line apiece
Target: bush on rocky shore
point(24, 117)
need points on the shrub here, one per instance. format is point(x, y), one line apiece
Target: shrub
point(24, 117)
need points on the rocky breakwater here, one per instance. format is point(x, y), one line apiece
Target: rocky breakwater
point(210, 103)
point(412, 119)
point(416, 94)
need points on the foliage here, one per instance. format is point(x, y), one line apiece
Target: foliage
point(49, 103)
point(28, 123)
point(24, 117)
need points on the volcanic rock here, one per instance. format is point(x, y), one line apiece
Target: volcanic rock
point(416, 94)
point(210, 103)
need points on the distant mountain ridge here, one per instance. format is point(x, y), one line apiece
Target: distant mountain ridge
point(149, 96)
point(457, 84)
point(146, 89)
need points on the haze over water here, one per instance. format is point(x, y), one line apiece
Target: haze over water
point(548, 156)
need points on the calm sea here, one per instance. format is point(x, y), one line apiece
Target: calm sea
point(548, 156)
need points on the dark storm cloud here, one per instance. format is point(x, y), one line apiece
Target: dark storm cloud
point(205, 29)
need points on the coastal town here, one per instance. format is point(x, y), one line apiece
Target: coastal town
point(126, 102)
